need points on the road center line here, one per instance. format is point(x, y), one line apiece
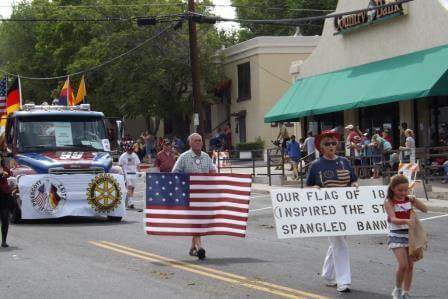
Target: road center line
point(260, 209)
point(231, 278)
point(435, 217)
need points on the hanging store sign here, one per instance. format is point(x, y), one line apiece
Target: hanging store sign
point(348, 23)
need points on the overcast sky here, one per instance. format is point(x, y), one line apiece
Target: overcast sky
point(225, 12)
point(5, 7)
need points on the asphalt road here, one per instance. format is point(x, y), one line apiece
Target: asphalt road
point(93, 258)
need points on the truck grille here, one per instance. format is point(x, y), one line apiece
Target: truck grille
point(96, 170)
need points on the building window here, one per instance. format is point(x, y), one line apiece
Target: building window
point(244, 81)
point(242, 128)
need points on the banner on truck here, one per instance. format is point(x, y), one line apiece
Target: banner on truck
point(53, 196)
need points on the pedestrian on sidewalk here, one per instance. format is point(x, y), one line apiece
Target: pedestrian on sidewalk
point(195, 161)
point(166, 158)
point(294, 155)
point(445, 172)
point(6, 201)
point(333, 171)
point(398, 206)
point(308, 144)
point(128, 162)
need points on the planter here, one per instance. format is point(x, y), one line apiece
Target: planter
point(246, 155)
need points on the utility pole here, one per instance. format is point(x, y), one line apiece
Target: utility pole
point(196, 82)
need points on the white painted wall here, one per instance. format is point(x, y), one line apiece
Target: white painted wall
point(424, 27)
point(270, 60)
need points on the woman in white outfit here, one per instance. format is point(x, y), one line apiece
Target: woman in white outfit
point(333, 171)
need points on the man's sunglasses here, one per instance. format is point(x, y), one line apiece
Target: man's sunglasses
point(330, 143)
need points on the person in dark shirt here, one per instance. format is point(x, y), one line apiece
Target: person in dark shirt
point(6, 201)
point(333, 171)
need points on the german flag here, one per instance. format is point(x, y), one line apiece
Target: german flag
point(13, 97)
point(53, 197)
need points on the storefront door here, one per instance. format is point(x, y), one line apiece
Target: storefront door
point(378, 118)
point(439, 121)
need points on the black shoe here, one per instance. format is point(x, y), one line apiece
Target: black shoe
point(201, 253)
point(193, 252)
point(131, 207)
point(4, 244)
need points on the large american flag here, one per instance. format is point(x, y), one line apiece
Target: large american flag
point(197, 204)
point(3, 96)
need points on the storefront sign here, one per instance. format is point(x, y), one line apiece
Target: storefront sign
point(347, 23)
point(302, 213)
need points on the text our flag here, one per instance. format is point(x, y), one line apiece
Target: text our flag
point(197, 204)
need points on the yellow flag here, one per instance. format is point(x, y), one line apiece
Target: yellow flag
point(81, 92)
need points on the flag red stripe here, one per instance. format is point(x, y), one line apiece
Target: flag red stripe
point(186, 225)
point(233, 200)
point(169, 216)
point(234, 175)
point(13, 97)
point(232, 209)
point(194, 182)
point(236, 192)
point(223, 233)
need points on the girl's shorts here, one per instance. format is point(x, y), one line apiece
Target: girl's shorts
point(398, 238)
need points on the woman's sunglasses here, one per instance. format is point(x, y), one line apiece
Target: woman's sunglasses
point(330, 143)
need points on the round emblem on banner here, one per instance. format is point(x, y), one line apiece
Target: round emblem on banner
point(103, 193)
point(48, 195)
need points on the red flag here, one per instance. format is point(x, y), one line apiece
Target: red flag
point(197, 204)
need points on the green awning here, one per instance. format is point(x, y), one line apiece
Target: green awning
point(410, 76)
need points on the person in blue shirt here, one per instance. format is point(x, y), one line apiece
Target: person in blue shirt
point(333, 171)
point(293, 148)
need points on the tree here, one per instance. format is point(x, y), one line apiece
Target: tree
point(152, 81)
point(280, 9)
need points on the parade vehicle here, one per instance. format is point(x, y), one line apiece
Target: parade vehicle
point(61, 164)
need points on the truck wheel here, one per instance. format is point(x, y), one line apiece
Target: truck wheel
point(114, 218)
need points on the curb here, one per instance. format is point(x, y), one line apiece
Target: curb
point(262, 191)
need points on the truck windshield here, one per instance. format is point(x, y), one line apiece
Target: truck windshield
point(61, 133)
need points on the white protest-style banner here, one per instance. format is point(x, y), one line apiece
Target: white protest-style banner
point(311, 212)
point(52, 196)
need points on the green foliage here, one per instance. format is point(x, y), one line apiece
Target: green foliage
point(246, 11)
point(258, 144)
point(152, 81)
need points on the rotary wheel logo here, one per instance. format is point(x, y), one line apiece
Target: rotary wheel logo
point(103, 193)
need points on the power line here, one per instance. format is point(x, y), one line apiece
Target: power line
point(174, 4)
point(271, 73)
point(99, 5)
point(94, 68)
point(298, 21)
point(160, 19)
point(268, 8)
point(200, 18)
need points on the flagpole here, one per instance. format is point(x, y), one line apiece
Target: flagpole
point(20, 91)
point(68, 90)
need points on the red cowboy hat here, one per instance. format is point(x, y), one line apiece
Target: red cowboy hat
point(327, 133)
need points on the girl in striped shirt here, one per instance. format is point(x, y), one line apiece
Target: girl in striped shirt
point(398, 206)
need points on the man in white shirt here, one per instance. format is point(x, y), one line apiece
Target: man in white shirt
point(128, 162)
point(308, 144)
